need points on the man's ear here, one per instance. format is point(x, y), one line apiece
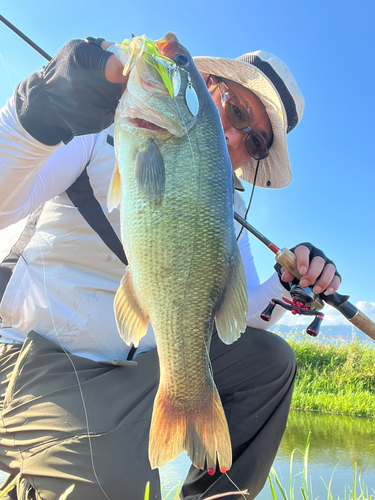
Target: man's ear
point(210, 81)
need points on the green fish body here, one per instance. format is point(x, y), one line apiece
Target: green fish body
point(174, 183)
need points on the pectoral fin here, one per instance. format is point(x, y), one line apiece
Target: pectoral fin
point(150, 173)
point(131, 320)
point(231, 317)
point(114, 191)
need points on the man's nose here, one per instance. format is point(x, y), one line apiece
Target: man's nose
point(234, 138)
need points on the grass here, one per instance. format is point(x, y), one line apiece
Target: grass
point(334, 378)
point(358, 490)
point(176, 489)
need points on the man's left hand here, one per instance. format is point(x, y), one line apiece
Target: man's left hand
point(316, 269)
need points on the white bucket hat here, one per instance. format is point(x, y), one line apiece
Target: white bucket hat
point(270, 80)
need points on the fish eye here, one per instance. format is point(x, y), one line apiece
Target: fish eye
point(181, 59)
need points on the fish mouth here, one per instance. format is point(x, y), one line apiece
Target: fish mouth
point(140, 123)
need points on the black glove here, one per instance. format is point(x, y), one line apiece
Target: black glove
point(314, 252)
point(70, 96)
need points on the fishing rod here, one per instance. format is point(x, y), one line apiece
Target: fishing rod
point(25, 38)
point(305, 302)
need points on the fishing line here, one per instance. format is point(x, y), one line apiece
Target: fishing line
point(7, 72)
point(190, 145)
point(54, 324)
point(195, 168)
point(77, 377)
point(204, 341)
point(193, 158)
point(48, 57)
point(234, 484)
point(25, 38)
point(251, 198)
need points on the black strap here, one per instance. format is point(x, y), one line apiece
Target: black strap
point(110, 140)
point(82, 196)
point(286, 96)
point(8, 265)
point(131, 353)
point(133, 349)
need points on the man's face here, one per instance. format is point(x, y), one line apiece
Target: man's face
point(260, 122)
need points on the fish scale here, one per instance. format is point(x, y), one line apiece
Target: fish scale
point(175, 187)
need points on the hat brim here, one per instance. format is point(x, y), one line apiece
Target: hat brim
point(274, 171)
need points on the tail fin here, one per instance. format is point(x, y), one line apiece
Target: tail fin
point(202, 433)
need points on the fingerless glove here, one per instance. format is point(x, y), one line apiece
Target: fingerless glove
point(314, 252)
point(70, 96)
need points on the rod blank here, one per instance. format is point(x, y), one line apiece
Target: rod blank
point(25, 38)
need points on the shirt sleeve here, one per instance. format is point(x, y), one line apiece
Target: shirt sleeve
point(259, 294)
point(32, 173)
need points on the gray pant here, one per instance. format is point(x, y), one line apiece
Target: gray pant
point(95, 433)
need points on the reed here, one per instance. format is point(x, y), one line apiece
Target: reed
point(357, 491)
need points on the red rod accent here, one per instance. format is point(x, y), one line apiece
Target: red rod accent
point(273, 248)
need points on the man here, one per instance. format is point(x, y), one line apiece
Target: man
point(76, 407)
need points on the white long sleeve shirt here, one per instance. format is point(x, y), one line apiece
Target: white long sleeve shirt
point(64, 278)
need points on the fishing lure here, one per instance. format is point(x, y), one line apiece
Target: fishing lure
point(141, 46)
point(128, 53)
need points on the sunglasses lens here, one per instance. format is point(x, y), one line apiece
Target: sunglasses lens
point(236, 113)
point(238, 116)
point(255, 147)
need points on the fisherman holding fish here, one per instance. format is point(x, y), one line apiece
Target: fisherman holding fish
point(78, 381)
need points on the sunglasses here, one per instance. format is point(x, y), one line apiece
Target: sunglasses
point(239, 117)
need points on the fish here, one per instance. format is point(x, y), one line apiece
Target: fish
point(173, 182)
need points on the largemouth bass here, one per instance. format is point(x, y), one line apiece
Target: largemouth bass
point(174, 182)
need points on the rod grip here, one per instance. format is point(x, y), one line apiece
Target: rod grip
point(361, 321)
point(287, 259)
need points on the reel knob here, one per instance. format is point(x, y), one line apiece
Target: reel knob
point(314, 327)
point(267, 313)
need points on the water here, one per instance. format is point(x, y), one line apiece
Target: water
point(337, 444)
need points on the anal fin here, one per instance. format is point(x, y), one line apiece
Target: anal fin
point(231, 317)
point(131, 320)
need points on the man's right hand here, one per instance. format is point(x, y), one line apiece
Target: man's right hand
point(75, 94)
point(113, 67)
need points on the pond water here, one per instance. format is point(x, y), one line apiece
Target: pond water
point(337, 444)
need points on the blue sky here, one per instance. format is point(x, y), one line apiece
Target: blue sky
point(328, 45)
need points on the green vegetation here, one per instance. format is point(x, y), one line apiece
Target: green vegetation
point(334, 379)
point(358, 490)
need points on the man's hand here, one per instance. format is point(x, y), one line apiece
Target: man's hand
point(75, 94)
point(113, 67)
point(316, 269)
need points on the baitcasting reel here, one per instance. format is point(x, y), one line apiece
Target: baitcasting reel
point(305, 302)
